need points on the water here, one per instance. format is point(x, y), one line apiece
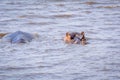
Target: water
point(48, 57)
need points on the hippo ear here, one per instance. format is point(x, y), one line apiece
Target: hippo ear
point(67, 34)
point(82, 33)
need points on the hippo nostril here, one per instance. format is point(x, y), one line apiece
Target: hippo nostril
point(71, 37)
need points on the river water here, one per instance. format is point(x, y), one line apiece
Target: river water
point(48, 57)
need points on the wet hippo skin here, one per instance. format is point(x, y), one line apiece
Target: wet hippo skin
point(18, 37)
point(75, 38)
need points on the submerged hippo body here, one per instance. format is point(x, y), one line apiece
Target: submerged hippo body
point(75, 38)
point(18, 37)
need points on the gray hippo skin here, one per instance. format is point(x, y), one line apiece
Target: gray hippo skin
point(18, 37)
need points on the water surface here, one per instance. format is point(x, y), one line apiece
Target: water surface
point(49, 58)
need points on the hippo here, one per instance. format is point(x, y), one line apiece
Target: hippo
point(75, 38)
point(18, 37)
point(2, 34)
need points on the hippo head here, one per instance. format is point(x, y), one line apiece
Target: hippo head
point(75, 38)
point(70, 37)
point(67, 38)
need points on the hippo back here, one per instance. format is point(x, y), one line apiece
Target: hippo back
point(18, 37)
